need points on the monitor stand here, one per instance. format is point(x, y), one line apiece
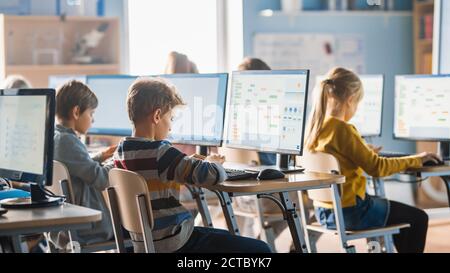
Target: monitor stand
point(38, 199)
point(201, 150)
point(283, 165)
point(444, 150)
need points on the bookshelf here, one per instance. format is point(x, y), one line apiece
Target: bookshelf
point(423, 36)
point(39, 46)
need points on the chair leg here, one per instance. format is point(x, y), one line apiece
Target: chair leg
point(389, 243)
point(303, 218)
point(339, 218)
point(115, 218)
point(349, 249)
point(145, 223)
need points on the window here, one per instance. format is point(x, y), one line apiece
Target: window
point(159, 26)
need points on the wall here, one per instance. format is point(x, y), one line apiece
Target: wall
point(445, 38)
point(388, 41)
point(117, 8)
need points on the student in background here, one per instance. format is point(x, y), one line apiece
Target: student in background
point(150, 103)
point(16, 82)
point(178, 63)
point(75, 107)
point(336, 101)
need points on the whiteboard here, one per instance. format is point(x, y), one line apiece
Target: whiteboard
point(316, 52)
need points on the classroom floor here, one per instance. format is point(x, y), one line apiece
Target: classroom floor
point(438, 239)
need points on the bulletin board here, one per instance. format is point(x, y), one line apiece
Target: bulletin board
point(317, 52)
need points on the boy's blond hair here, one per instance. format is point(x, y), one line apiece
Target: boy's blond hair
point(146, 95)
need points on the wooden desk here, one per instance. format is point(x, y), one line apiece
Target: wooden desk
point(27, 221)
point(264, 189)
point(442, 171)
point(424, 172)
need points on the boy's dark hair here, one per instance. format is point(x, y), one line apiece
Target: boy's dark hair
point(253, 64)
point(72, 94)
point(147, 95)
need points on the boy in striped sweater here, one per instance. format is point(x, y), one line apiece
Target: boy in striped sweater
point(150, 103)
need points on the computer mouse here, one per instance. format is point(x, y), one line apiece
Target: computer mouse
point(270, 174)
point(433, 164)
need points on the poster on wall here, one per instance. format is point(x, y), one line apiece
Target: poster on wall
point(317, 52)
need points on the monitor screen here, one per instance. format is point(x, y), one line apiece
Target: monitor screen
point(267, 111)
point(422, 107)
point(111, 116)
point(55, 81)
point(26, 134)
point(369, 116)
point(201, 120)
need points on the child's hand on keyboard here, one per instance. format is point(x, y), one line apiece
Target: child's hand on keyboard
point(108, 153)
point(199, 157)
point(214, 158)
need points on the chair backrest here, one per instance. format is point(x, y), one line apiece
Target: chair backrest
point(61, 173)
point(323, 163)
point(128, 185)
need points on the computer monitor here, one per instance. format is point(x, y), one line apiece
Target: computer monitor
point(27, 120)
point(201, 121)
point(111, 116)
point(369, 116)
point(267, 111)
point(422, 111)
point(55, 81)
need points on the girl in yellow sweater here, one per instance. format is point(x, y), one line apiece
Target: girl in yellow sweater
point(328, 131)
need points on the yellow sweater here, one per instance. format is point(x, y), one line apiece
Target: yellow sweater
point(343, 141)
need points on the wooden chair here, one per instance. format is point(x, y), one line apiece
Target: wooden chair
point(130, 207)
point(326, 163)
point(62, 185)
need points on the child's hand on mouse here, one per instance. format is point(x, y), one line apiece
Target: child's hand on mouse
point(108, 153)
point(376, 149)
point(214, 158)
point(426, 157)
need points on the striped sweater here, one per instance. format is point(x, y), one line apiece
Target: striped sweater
point(164, 168)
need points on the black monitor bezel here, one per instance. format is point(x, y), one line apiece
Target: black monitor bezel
point(46, 179)
point(395, 109)
point(305, 112)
